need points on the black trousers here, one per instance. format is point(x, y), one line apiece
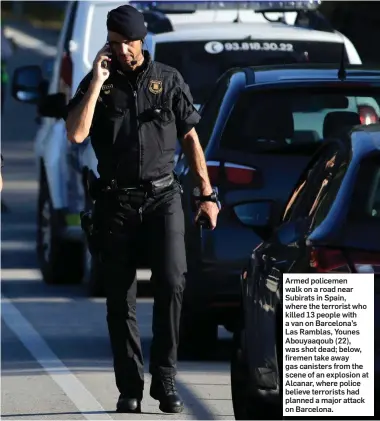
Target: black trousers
point(126, 220)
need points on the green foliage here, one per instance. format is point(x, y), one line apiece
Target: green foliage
point(47, 14)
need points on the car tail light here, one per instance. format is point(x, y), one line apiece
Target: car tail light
point(67, 69)
point(367, 115)
point(326, 260)
point(232, 173)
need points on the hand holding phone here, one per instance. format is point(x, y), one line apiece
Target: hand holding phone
point(106, 63)
point(101, 64)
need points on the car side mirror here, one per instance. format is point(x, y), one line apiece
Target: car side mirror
point(258, 215)
point(52, 106)
point(27, 84)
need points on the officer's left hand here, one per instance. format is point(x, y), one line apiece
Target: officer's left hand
point(210, 210)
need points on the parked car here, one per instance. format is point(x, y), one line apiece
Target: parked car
point(330, 224)
point(259, 130)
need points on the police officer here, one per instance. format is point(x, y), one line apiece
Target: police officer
point(135, 110)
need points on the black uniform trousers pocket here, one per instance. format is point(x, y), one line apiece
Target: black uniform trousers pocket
point(161, 229)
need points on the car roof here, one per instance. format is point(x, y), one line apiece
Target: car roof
point(307, 73)
point(257, 30)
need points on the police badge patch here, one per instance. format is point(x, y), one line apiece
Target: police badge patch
point(155, 86)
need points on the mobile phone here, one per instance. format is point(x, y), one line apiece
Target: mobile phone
point(106, 64)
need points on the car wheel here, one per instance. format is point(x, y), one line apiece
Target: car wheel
point(61, 261)
point(198, 337)
point(247, 404)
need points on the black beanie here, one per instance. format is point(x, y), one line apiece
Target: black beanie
point(127, 21)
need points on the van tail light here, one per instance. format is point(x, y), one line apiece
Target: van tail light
point(367, 115)
point(326, 260)
point(67, 70)
point(232, 174)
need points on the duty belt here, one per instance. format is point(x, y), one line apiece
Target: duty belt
point(148, 187)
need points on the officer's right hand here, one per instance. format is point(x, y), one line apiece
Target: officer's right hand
point(101, 74)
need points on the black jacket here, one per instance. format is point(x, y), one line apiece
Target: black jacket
point(135, 128)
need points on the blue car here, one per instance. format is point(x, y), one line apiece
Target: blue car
point(259, 130)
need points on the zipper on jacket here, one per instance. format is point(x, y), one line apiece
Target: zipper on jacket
point(134, 89)
point(140, 213)
point(138, 131)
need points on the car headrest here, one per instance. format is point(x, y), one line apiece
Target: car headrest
point(337, 121)
point(272, 121)
point(305, 136)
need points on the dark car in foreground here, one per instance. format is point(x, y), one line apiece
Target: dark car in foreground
point(330, 224)
point(259, 130)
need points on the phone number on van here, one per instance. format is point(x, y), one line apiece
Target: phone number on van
point(216, 47)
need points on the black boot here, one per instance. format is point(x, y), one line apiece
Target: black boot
point(163, 389)
point(126, 404)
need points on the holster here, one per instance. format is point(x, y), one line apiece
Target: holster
point(94, 187)
point(162, 184)
point(92, 234)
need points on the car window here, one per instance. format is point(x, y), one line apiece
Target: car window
point(295, 121)
point(312, 184)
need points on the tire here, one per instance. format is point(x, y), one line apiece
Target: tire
point(198, 336)
point(247, 403)
point(240, 381)
point(61, 261)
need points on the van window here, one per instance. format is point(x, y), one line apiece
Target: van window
point(205, 61)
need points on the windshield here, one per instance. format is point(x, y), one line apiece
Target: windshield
point(295, 122)
point(201, 63)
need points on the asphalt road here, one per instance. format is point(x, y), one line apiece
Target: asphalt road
point(56, 358)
